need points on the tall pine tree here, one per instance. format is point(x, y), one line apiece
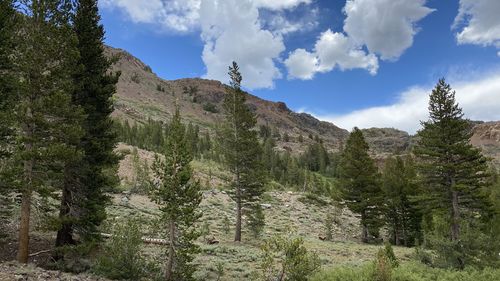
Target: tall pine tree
point(46, 120)
point(359, 180)
point(83, 200)
point(7, 100)
point(179, 197)
point(454, 172)
point(242, 151)
point(399, 185)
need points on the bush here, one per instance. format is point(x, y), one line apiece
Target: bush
point(407, 272)
point(121, 256)
point(210, 107)
point(287, 258)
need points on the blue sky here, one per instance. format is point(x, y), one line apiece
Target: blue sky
point(356, 63)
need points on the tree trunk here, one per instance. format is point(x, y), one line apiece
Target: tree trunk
point(364, 230)
point(171, 252)
point(397, 240)
point(65, 233)
point(24, 226)
point(237, 234)
point(455, 217)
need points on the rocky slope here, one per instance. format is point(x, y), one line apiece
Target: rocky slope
point(141, 94)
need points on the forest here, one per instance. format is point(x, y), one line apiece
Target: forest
point(225, 203)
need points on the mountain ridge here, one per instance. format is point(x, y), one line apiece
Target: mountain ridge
point(141, 94)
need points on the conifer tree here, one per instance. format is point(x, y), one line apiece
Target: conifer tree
point(242, 150)
point(399, 184)
point(47, 122)
point(454, 172)
point(359, 181)
point(83, 200)
point(7, 100)
point(179, 197)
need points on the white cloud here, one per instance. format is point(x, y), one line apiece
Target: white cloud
point(480, 100)
point(279, 4)
point(383, 27)
point(175, 15)
point(333, 49)
point(386, 27)
point(480, 22)
point(231, 31)
point(302, 64)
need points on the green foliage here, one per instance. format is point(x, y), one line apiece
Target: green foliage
point(147, 68)
point(382, 267)
point(121, 257)
point(402, 215)
point(210, 107)
point(256, 221)
point(178, 197)
point(160, 88)
point(454, 172)
point(219, 270)
point(142, 179)
point(241, 149)
point(359, 179)
point(329, 227)
point(286, 258)
point(7, 97)
point(407, 272)
point(389, 253)
point(226, 225)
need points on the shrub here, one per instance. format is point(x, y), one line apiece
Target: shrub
point(135, 78)
point(286, 258)
point(121, 256)
point(210, 107)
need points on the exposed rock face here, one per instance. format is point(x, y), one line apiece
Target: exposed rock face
point(487, 137)
point(387, 140)
point(141, 95)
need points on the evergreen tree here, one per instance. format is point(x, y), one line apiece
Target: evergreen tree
point(242, 150)
point(454, 172)
point(47, 122)
point(399, 183)
point(360, 184)
point(83, 200)
point(179, 197)
point(7, 101)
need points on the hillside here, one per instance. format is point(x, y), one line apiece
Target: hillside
point(141, 94)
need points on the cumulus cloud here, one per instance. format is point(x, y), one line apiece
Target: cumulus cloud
point(175, 15)
point(384, 27)
point(230, 29)
point(333, 49)
point(480, 100)
point(479, 22)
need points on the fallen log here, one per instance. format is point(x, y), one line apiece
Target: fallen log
point(147, 240)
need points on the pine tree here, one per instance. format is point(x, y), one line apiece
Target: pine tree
point(83, 200)
point(399, 184)
point(242, 150)
point(454, 172)
point(359, 181)
point(179, 197)
point(47, 122)
point(7, 100)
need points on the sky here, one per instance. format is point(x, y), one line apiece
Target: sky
point(365, 63)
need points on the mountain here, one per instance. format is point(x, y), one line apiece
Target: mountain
point(141, 94)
